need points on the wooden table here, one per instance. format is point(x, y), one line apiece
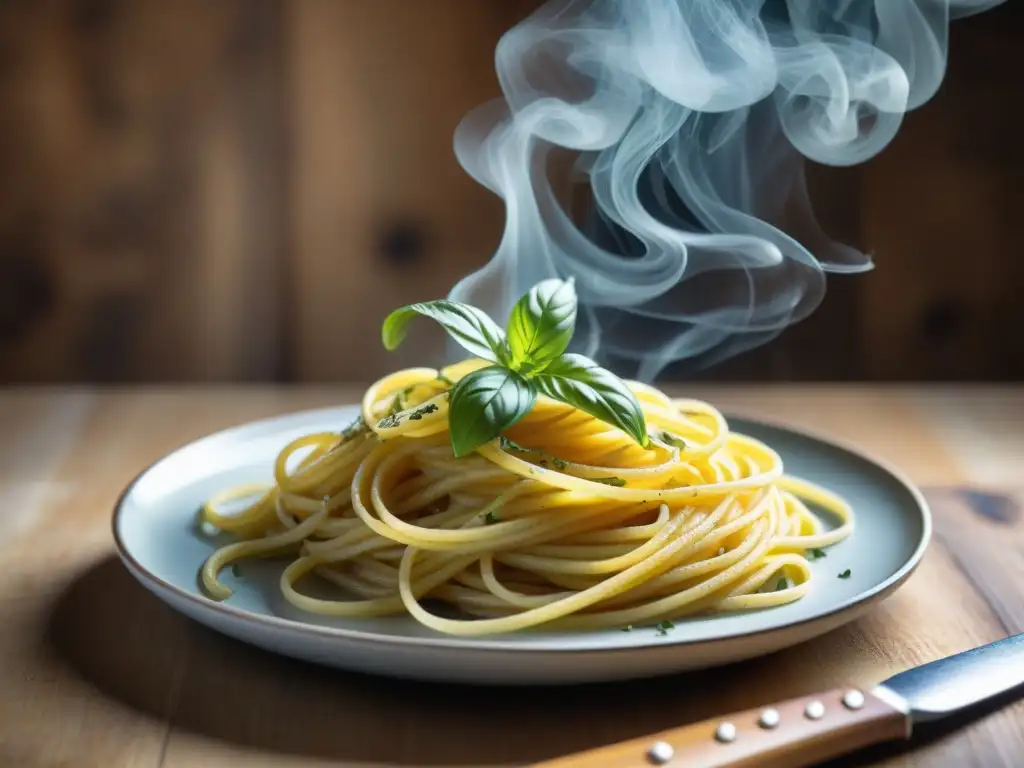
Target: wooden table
point(95, 672)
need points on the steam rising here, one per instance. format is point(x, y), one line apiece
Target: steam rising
point(691, 120)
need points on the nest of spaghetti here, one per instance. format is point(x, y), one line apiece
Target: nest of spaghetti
point(562, 522)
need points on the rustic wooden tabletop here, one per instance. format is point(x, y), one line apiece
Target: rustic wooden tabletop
point(96, 672)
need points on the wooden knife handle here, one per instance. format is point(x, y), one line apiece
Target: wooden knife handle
point(806, 730)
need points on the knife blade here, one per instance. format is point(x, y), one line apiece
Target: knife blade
point(939, 688)
point(810, 729)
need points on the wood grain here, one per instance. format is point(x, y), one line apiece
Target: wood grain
point(96, 672)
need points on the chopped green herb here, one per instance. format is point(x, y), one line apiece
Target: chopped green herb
point(845, 574)
point(628, 628)
point(674, 440)
point(400, 403)
point(664, 627)
point(491, 518)
point(396, 405)
point(512, 445)
point(353, 429)
point(422, 411)
point(388, 422)
point(781, 584)
point(618, 482)
point(815, 554)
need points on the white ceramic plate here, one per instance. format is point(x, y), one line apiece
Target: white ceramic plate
point(154, 527)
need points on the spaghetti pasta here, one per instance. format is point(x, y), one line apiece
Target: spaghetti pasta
point(564, 521)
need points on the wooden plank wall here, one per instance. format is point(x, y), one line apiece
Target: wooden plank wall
point(942, 209)
point(384, 214)
point(142, 205)
point(240, 190)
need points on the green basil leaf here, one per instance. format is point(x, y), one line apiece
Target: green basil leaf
point(484, 403)
point(541, 324)
point(580, 382)
point(470, 327)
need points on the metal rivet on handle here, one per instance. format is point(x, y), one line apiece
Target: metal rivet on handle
point(769, 718)
point(814, 710)
point(725, 733)
point(853, 699)
point(660, 753)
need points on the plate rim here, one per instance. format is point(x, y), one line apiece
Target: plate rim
point(483, 644)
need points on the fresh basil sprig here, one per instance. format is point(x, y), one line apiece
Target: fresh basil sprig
point(529, 359)
point(541, 324)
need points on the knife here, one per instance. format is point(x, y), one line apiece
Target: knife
point(810, 729)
